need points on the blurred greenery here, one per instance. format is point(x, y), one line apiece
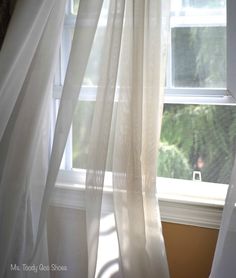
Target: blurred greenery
point(172, 163)
point(198, 131)
point(199, 57)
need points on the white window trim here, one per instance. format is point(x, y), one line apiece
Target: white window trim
point(175, 96)
point(176, 205)
point(178, 202)
point(206, 96)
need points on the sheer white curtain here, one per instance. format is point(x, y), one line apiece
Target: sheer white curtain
point(27, 60)
point(125, 129)
point(224, 258)
point(131, 66)
point(137, 131)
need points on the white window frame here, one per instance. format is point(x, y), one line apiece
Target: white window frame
point(177, 203)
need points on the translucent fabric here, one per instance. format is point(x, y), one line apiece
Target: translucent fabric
point(131, 70)
point(224, 258)
point(89, 11)
point(137, 132)
point(125, 130)
point(27, 60)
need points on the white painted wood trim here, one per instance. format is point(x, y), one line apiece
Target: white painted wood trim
point(173, 212)
point(180, 205)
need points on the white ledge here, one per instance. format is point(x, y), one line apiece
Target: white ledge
point(180, 201)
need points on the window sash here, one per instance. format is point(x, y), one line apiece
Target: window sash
point(173, 94)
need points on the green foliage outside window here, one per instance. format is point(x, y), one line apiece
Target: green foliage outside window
point(193, 131)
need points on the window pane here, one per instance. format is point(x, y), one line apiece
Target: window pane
point(198, 140)
point(193, 5)
point(204, 3)
point(199, 57)
point(198, 44)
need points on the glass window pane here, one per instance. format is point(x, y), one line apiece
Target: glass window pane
point(199, 57)
point(198, 44)
point(204, 3)
point(198, 140)
point(186, 6)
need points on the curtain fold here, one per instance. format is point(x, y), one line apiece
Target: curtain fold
point(21, 41)
point(101, 127)
point(6, 10)
point(136, 140)
point(224, 262)
point(86, 24)
point(27, 63)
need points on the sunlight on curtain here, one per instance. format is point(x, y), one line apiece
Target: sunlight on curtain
point(133, 51)
point(137, 132)
point(130, 69)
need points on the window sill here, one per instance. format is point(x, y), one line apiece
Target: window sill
point(181, 201)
